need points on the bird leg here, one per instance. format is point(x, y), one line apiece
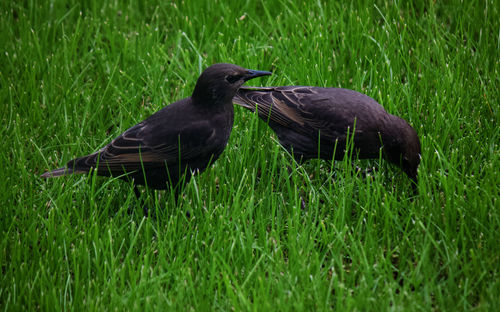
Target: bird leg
point(145, 208)
point(137, 192)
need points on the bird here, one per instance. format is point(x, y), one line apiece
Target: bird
point(315, 122)
point(181, 139)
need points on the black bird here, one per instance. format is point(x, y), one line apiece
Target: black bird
point(183, 137)
point(313, 122)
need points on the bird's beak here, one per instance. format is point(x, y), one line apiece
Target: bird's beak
point(250, 74)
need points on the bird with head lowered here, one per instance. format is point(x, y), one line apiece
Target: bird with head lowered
point(314, 122)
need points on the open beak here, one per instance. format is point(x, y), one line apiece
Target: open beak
point(255, 73)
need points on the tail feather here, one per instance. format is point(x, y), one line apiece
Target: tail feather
point(59, 172)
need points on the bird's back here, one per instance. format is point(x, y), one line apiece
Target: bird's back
point(302, 116)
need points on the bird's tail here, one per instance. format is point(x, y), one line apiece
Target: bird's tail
point(59, 172)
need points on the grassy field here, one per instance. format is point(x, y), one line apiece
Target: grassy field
point(74, 74)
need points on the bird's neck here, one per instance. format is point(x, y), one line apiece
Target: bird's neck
point(391, 131)
point(211, 97)
point(394, 137)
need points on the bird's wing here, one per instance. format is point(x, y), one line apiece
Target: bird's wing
point(149, 145)
point(292, 106)
point(270, 104)
point(308, 110)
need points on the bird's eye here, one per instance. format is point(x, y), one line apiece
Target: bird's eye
point(233, 79)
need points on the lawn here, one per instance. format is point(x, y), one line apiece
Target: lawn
point(75, 74)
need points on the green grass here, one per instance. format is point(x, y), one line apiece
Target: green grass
point(75, 74)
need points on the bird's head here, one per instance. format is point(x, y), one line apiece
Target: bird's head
point(220, 82)
point(411, 156)
point(405, 150)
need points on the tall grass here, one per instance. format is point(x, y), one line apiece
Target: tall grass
point(74, 74)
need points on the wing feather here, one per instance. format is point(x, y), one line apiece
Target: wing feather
point(131, 151)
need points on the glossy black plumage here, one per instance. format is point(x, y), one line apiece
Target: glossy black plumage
point(183, 137)
point(314, 122)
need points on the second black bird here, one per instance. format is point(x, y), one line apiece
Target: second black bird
point(313, 122)
point(182, 138)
